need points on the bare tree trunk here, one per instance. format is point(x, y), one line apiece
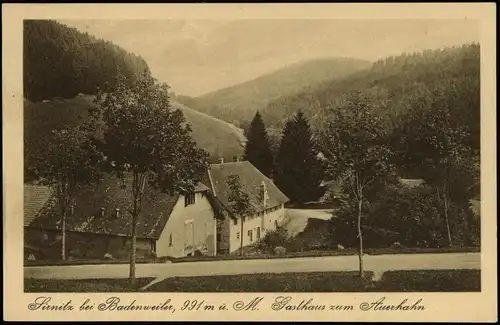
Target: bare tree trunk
point(133, 246)
point(133, 249)
point(241, 236)
point(63, 233)
point(360, 237)
point(137, 189)
point(446, 219)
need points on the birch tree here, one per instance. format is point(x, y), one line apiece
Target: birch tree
point(353, 144)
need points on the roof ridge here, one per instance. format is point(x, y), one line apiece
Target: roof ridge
point(211, 182)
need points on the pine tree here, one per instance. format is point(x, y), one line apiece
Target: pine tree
point(298, 170)
point(258, 149)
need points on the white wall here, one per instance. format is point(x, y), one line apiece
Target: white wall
point(272, 216)
point(250, 223)
point(264, 221)
point(201, 215)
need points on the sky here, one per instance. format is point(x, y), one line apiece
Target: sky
point(198, 56)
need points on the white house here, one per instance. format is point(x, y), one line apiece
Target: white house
point(266, 199)
point(99, 223)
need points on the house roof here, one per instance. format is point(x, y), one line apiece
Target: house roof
point(110, 194)
point(35, 198)
point(251, 179)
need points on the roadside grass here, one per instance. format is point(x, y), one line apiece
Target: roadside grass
point(267, 282)
point(432, 281)
point(312, 253)
point(392, 281)
point(90, 285)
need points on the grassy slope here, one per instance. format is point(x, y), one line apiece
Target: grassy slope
point(218, 137)
point(240, 102)
point(215, 136)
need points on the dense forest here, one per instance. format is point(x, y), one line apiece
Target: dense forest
point(63, 68)
point(60, 61)
point(392, 84)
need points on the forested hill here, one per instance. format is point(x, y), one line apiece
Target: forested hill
point(394, 82)
point(60, 61)
point(239, 103)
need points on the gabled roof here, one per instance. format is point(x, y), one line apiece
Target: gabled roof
point(36, 198)
point(250, 178)
point(110, 194)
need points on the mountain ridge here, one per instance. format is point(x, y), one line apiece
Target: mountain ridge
point(238, 103)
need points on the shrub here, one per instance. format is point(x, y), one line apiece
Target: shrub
point(280, 250)
point(413, 217)
point(279, 238)
point(273, 239)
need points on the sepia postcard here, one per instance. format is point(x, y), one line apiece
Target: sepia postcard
point(249, 162)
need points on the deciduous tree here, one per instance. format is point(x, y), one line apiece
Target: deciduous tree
point(66, 159)
point(239, 203)
point(147, 143)
point(437, 146)
point(353, 144)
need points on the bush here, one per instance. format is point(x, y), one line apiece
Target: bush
point(413, 217)
point(279, 238)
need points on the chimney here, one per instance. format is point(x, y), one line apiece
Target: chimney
point(264, 194)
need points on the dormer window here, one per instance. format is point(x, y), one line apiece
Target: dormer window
point(189, 198)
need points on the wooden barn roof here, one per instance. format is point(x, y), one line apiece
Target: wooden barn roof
point(110, 194)
point(250, 178)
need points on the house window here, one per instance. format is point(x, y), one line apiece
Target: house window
point(250, 234)
point(189, 198)
point(237, 235)
point(235, 221)
point(170, 241)
point(275, 224)
point(258, 232)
